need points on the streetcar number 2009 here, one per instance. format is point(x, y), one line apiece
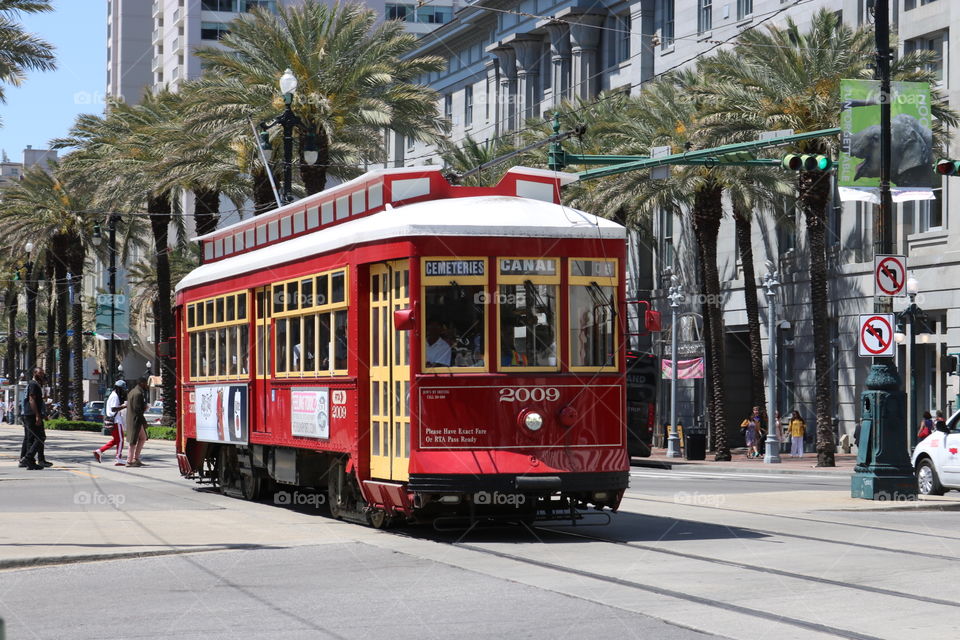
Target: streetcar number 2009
point(526, 394)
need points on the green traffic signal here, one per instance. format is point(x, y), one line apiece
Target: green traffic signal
point(947, 167)
point(806, 162)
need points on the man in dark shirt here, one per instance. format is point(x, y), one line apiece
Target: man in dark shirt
point(33, 414)
point(136, 422)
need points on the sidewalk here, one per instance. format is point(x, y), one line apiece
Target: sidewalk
point(739, 463)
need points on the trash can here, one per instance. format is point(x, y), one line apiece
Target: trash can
point(696, 448)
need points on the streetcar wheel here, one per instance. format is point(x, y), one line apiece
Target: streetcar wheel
point(250, 486)
point(380, 519)
point(928, 484)
point(334, 492)
point(223, 471)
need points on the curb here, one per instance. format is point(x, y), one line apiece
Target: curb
point(732, 467)
point(29, 563)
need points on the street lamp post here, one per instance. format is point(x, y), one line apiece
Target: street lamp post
point(31, 291)
point(914, 320)
point(675, 296)
point(772, 454)
point(288, 121)
point(112, 221)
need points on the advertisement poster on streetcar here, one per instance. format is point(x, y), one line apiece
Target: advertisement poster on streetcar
point(310, 412)
point(222, 413)
point(912, 176)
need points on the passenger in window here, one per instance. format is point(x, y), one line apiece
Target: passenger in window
point(509, 355)
point(439, 352)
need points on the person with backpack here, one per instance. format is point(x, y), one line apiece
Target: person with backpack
point(113, 418)
point(34, 434)
point(926, 426)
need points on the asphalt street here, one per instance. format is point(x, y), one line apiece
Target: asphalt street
point(692, 553)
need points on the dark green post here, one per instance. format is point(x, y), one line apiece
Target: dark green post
point(556, 160)
point(883, 469)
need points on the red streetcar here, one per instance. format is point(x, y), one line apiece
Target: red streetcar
point(419, 350)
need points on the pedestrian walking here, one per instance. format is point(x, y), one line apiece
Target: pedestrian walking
point(940, 423)
point(926, 426)
point(32, 452)
point(798, 429)
point(750, 431)
point(113, 418)
point(136, 422)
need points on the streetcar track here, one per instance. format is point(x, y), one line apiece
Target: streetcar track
point(789, 517)
point(725, 606)
point(752, 567)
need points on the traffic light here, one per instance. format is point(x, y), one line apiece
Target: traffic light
point(797, 162)
point(947, 167)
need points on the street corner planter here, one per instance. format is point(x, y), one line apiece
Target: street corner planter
point(162, 433)
point(59, 424)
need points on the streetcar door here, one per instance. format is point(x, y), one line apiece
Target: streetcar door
point(261, 337)
point(389, 372)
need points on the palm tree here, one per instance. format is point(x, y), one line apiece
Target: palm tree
point(122, 154)
point(471, 154)
point(19, 51)
point(355, 81)
point(782, 78)
point(45, 210)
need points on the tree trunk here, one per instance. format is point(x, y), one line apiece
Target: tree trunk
point(63, 349)
point(707, 213)
point(78, 255)
point(11, 358)
point(263, 197)
point(814, 196)
point(159, 225)
point(758, 396)
point(206, 210)
point(51, 353)
point(31, 290)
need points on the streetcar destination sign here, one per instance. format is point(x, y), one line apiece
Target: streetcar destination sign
point(454, 267)
point(528, 267)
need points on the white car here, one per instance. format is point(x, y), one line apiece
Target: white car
point(936, 460)
point(154, 416)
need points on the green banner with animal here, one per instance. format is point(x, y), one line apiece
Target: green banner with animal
point(911, 172)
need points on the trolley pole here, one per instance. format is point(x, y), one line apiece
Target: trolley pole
point(676, 297)
point(772, 454)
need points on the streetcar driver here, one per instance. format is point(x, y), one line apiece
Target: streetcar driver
point(439, 353)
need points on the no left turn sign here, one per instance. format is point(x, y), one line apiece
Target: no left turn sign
point(876, 335)
point(890, 275)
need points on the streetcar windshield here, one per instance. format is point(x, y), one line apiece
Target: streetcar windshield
point(528, 323)
point(454, 326)
point(591, 326)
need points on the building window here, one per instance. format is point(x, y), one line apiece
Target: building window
point(219, 5)
point(705, 16)
point(399, 11)
point(622, 51)
point(930, 213)
point(434, 15)
point(744, 8)
point(448, 106)
point(468, 105)
point(938, 43)
point(666, 240)
point(912, 4)
point(268, 5)
point(667, 22)
point(213, 30)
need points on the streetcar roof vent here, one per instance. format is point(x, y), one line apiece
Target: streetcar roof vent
point(373, 192)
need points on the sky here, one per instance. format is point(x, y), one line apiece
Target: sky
point(45, 105)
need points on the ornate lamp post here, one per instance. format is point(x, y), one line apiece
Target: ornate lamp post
point(675, 296)
point(914, 320)
point(772, 454)
point(288, 121)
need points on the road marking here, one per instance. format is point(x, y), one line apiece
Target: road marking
point(81, 473)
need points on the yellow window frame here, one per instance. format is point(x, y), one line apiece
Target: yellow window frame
point(533, 279)
point(208, 331)
point(600, 281)
point(444, 281)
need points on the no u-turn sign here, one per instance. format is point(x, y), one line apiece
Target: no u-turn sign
point(876, 335)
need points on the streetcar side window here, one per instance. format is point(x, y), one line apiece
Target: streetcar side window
point(527, 298)
point(218, 337)
point(592, 299)
point(454, 320)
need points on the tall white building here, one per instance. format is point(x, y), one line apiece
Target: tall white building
point(514, 59)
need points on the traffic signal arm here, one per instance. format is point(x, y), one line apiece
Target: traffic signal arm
point(708, 157)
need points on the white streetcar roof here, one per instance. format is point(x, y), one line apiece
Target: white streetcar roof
point(481, 216)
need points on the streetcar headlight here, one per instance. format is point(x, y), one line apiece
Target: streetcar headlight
point(533, 421)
